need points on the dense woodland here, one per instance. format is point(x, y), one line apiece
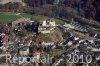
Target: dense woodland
point(63, 9)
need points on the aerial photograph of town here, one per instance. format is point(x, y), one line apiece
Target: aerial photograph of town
point(49, 32)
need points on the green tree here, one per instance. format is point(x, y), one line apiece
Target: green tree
point(37, 11)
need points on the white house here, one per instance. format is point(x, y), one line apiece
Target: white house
point(70, 43)
point(76, 38)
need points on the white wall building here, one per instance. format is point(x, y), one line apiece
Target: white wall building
point(48, 22)
point(47, 25)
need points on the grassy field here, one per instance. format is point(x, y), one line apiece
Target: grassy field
point(39, 17)
point(10, 17)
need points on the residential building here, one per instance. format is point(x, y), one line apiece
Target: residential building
point(70, 43)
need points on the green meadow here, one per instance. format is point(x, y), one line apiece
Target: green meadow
point(9, 17)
